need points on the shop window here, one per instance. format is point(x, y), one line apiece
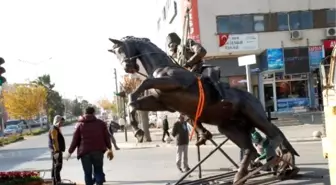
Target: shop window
point(282, 21)
point(259, 23)
point(223, 24)
point(235, 24)
point(297, 20)
point(292, 89)
point(331, 17)
point(240, 24)
point(292, 95)
point(306, 20)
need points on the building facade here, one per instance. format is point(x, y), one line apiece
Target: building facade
point(290, 39)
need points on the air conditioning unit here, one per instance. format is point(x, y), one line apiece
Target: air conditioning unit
point(331, 32)
point(295, 35)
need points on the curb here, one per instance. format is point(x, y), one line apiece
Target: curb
point(229, 144)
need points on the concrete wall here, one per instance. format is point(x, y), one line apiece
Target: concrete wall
point(165, 27)
point(208, 10)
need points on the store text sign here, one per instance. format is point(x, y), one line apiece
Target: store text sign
point(241, 42)
point(329, 44)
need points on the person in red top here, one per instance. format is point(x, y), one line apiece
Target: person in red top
point(92, 140)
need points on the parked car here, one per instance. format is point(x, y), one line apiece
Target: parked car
point(33, 123)
point(22, 123)
point(152, 121)
point(12, 129)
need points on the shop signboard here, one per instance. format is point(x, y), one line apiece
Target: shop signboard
point(315, 56)
point(238, 42)
point(237, 81)
point(296, 60)
point(275, 59)
point(292, 104)
point(329, 44)
point(194, 27)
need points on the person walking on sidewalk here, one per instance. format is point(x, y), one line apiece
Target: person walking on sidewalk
point(111, 132)
point(181, 132)
point(57, 147)
point(165, 128)
point(92, 140)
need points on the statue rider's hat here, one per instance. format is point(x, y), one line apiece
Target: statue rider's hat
point(173, 38)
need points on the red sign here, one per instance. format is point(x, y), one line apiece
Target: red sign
point(223, 37)
point(193, 18)
point(329, 44)
point(236, 81)
point(315, 48)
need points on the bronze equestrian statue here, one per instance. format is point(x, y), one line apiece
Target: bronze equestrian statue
point(176, 89)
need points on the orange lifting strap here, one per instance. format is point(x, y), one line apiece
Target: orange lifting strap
point(200, 105)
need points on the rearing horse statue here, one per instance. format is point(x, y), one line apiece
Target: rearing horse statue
point(176, 89)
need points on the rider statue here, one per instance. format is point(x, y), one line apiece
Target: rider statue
point(194, 55)
point(193, 58)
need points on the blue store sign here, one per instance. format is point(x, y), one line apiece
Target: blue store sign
point(287, 104)
point(275, 59)
point(315, 56)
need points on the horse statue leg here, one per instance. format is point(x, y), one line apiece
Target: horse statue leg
point(241, 137)
point(148, 103)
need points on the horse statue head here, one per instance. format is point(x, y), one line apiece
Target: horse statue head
point(129, 49)
point(126, 54)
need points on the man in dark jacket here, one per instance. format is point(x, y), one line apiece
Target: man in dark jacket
point(181, 132)
point(111, 127)
point(91, 139)
point(165, 128)
point(57, 147)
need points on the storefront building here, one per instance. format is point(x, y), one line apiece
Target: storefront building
point(289, 40)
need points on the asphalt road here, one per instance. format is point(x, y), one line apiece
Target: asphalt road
point(152, 166)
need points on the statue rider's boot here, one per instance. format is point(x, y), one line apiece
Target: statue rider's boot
point(219, 90)
point(206, 135)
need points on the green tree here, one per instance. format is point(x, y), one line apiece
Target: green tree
point(84, 104)
point(54, 104)
point(76, 108)
point(67, 107)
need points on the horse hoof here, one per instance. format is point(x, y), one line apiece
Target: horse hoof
point(239, 175)
point(201, 141)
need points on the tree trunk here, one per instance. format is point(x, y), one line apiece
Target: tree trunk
point(145, 125)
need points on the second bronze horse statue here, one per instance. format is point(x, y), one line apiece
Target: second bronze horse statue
point(176, 89)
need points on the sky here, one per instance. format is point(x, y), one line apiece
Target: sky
point(69, 40)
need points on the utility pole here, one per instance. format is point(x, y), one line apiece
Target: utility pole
point(116, 87)
point(119, 101)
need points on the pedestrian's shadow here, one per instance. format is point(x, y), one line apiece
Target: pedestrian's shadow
point(307, 175)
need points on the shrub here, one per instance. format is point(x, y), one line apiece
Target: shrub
point(10, 139)
point(19, 177)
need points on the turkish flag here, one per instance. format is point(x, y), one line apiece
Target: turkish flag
point(223, 38)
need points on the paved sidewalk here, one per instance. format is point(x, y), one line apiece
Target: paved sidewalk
point(151, 165)
point(298, 133)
